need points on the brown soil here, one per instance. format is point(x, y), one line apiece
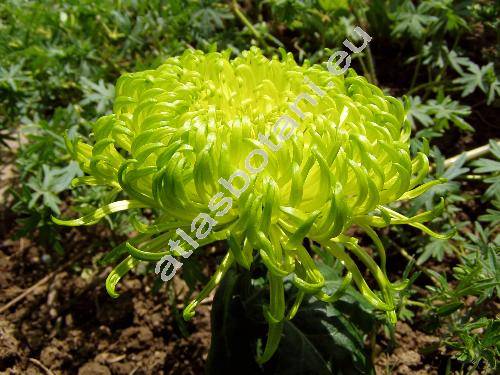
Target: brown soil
point(70, 325)
point(407, 358)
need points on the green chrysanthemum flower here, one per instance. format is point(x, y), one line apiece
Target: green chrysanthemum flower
point(262, 153)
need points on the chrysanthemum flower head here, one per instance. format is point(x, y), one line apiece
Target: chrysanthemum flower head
point(262, 153)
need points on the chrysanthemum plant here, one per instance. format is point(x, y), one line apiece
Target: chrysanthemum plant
point(335, 150)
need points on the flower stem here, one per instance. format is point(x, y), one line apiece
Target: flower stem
point(248, 24)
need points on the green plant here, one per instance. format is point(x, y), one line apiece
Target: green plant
point(179, 130)
point(59, 60)
point(459, 301)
